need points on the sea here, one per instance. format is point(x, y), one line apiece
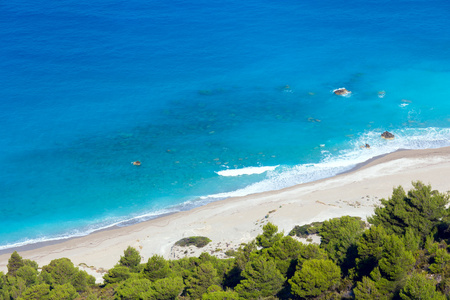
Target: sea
point(215, 99)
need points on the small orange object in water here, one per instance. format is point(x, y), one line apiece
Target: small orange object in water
point(136, 163)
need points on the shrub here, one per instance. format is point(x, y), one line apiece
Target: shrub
point(305, 230)
point(198, 241)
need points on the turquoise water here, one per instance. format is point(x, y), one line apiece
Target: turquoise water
point(192, 89)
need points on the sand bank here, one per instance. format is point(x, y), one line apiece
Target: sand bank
point(238, 220)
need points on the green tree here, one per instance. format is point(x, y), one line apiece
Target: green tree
point(134, 288)
point(310, 251)
point(82, 280)
point(420, 287)
point(58, 271)
point(269, 236)
point(63, 292)
point(315, 277)
point(117, 274)
point(370, 249)
point(28, 273)
point(4, 293)
point(339, 237)
point(412, 240)
point(15, 262)
point(31, 263)
point(131, 259)
point(285, 253)
point(156, 268)
point(368, 290)
point(61, 271)
point(243, 255)
point(222, 266)
point(388, 277)
point(16, 286)
point(215, 292)
point(261, 278)
point(396, 261)
point(36, 292)
point(167, 288)
point(420, 210)
point(441, 263)
point(204, 276)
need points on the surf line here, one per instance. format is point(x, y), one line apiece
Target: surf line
point(246, 171)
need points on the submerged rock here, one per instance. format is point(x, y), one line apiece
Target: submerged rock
point(342, 92)
point(387, 135)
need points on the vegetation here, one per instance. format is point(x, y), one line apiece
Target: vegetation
point(403, 254)
point(306, 230)
point(197, 241)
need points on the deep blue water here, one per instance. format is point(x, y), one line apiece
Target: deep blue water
point(193, 88)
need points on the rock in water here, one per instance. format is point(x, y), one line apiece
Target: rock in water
point(342, 92)
point(387, 135)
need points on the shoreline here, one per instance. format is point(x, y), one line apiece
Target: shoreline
point(40, 244)
point(239, 219)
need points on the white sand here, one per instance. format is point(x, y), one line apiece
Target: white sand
point(238, 220)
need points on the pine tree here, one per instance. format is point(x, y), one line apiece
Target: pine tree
point(167, 288)
point(14, 263)
point(36, 292)
point(156, 268)
point(370, 249)
point(285, 253)
point(314, 278)
point(421, 210)
point(420, 287)
point(29, 274)
point(204, 276)
point(134, 288)
point(63, 292)
point(131, 259)
point(262, 278)
point(339, 237)
point(117, 274)
point(269, 236)
point(368, 290)
point(396, 261)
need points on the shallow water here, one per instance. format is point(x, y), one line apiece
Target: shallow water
point(195, 89)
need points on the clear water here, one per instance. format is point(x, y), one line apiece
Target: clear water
point(192, 88)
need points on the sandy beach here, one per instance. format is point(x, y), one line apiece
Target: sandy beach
point(230, 222)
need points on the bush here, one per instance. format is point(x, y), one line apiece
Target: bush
point(198, 241)
point(230, 253)
point(305, 230)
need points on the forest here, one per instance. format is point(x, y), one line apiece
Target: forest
point(401, 252)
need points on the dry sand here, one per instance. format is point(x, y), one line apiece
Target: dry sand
point(233, 221)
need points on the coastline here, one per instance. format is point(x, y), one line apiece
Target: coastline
point(232, 221)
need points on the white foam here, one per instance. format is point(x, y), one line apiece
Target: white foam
point(279, 177)
point(102, 225)
point(246, 171)
point(344, 160)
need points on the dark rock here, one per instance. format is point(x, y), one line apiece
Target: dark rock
point(342, 92)
point(387, 135)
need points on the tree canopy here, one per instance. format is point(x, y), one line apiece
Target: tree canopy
point(404, 254)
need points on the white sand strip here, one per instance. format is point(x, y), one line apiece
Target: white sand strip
point(238, 220)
